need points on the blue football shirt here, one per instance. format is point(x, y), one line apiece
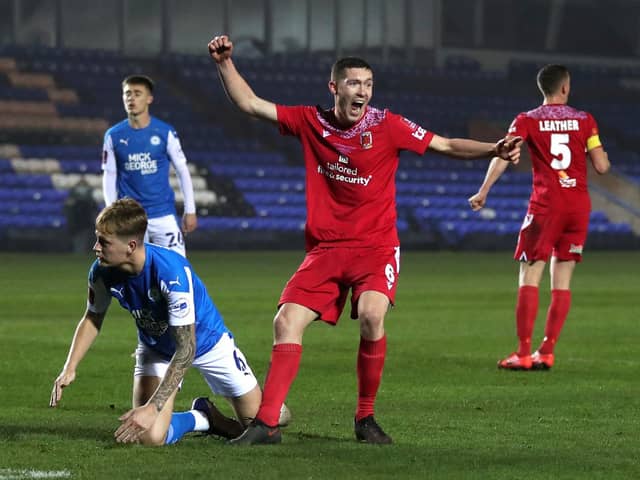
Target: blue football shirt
point(141, 159)
point(166, 293)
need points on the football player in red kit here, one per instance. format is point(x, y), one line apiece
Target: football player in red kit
point(351, 157)
point(555, 226)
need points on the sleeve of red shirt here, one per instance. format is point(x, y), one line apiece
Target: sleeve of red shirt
point(290, 118)
point(592, 126)
point(518, 127)
point(592, 134)
point(407, 135)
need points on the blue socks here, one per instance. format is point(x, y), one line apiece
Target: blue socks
point(181, 423)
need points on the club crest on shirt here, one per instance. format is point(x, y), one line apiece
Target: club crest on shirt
point(155, 140)
point(366, 140)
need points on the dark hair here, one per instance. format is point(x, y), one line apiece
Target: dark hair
point(139, 80)
point(124, 217)
point(337, 71)
point(550, 77)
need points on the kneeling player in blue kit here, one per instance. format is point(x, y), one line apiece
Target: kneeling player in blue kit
point(178, 327)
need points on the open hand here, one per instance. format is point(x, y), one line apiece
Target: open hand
point(64, 379)
point(135, 423)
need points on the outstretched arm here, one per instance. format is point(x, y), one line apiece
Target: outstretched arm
point(86, 332)
point(495, 170)
point(238, 90)
point(138, 420)
point(506, 148)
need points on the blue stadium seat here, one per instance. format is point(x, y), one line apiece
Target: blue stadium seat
point(277, 211)
point(33, 221)
point(32, 207)
point(276, 198)
point(79, 166)
point(268, 185)
point(5, 166)
point(15, 180)
point(26, 194)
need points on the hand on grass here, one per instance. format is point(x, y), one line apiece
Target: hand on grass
point(135, 423)
point(64, 379)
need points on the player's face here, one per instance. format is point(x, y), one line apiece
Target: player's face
point(352, 94)
point(136, 99)
point(111, 250)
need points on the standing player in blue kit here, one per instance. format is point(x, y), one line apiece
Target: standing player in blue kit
point(136, 156)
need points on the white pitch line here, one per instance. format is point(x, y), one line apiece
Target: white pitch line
point(11, 474)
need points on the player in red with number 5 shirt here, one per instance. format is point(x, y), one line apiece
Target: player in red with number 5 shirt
point(556, 223)
point(351, 158)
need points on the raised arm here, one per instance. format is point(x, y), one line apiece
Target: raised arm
point(84, 336)
point(506, 148)
point(238, 90)
point(495, 170)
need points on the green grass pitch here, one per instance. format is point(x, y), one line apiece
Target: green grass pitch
point(451, 413)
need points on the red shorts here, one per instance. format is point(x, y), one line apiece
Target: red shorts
point(559, 234)
point(323, 280)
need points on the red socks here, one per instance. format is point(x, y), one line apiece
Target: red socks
point(556, 315)
point(371, 355)
point(285, 361)
point(526, 312)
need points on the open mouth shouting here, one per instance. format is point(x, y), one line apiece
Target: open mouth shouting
point(356, 107)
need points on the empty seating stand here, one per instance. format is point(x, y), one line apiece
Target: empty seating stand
point(251, 180)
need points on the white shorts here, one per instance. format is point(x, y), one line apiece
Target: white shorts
point(165, 231)
point(224, 367)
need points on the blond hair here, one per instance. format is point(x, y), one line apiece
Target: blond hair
point(124, 218)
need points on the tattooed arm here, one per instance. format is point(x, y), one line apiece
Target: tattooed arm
point(138, 420)
point(185, 338)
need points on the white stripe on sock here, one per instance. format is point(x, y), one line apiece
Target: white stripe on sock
point(202, 422)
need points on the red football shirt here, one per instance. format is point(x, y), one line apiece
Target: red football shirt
point(558, 137)
point(350, 174)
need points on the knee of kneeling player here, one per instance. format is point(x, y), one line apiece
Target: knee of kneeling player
point(153, 439)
